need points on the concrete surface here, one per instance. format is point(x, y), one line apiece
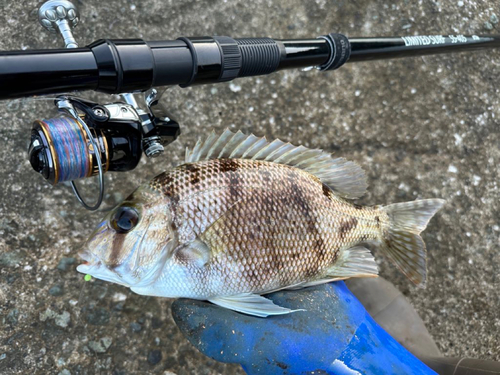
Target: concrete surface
point(421, 127)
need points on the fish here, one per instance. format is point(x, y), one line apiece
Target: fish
point(244, 217)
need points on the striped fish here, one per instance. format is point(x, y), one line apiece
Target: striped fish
point(244, 217)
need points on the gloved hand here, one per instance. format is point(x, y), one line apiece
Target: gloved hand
point(335, 335)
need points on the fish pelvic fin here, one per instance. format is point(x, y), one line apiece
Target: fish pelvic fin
point(251, 304)
point(401, 241)
point(344, 177)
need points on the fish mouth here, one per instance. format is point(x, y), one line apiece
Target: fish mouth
point(86, 255)
point(93, 266)
point(89, 260)
point(100, 272)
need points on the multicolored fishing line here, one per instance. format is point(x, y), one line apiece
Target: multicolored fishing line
point(70, 146)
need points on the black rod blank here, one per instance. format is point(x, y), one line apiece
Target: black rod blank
point(365, 49)
point(116, 66)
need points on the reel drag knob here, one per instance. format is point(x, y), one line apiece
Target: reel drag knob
point(39, 156)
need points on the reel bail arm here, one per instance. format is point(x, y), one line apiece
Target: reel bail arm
point(65, 105)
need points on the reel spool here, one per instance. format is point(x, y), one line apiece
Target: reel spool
point(60, 150)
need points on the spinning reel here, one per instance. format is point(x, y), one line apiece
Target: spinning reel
point(90, 139)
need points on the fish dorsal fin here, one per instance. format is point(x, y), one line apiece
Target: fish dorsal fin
point(345, 177)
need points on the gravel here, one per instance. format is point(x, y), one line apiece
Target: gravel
point(135, 327)
point(98, 316)
point(154, 357)
point(60, 319)
point(65, 263)
point(102, 345)
point(56, 290)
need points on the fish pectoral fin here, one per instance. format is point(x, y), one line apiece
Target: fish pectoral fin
point(195, 251)
point(251, 304)
point(356, 261)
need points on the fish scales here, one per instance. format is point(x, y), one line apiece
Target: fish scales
point(267, 225)
point(244, 217)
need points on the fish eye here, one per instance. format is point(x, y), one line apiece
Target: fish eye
point(124, 219)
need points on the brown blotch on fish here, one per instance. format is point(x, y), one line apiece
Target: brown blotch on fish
point(228, 165)
point(311, 271)
point(358, 206)
point(347, 226)
point(191, 167)
point(320, 248)
point(377, 219)
point(174, 198)
point(327, 192)
point(300, 198)
point(116, 248)
point(267, 202)
point(194, 174)
point(164, 179)
point(234, 182)
point(194, 178)
point(165, 183)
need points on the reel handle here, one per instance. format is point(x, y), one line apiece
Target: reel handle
point(60, 16)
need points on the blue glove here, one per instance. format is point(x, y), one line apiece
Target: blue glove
point(335, 335)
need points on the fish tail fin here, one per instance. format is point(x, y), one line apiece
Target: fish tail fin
point(401, 240)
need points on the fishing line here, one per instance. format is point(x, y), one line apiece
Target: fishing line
point(86, 279)
point(71, 152)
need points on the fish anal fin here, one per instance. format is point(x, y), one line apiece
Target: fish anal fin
point(313, 283)
point(356, 261)
point(344, 177)
point(251, 304)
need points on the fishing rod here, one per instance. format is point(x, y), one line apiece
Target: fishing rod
point(90, 139)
